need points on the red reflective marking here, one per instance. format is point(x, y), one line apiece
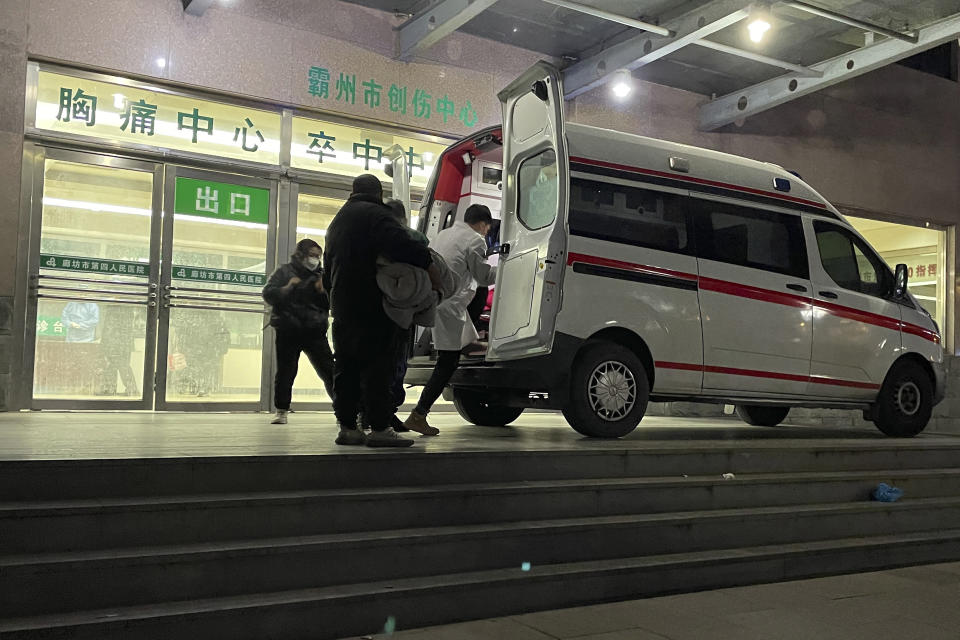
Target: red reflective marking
point(627, 266)
point(678, 365)
point(754, 293)
point(772, 375)
point(926, 334)
point(712, 183)
point(764, 295)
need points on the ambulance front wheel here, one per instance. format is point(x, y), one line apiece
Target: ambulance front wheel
point(474, 407)
point(609, 391)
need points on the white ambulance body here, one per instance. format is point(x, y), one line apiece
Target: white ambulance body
point(634, 269)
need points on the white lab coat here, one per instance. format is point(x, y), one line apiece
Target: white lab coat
point(465, 252)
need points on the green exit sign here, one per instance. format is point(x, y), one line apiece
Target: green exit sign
point(222, 201)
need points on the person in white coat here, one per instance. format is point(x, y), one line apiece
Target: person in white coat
point(465, 250)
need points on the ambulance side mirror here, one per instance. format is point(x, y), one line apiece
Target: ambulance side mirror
point(900, 281)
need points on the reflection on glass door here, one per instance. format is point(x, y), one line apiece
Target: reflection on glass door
point(93, 303)
point(314, 213)
point(212, 317)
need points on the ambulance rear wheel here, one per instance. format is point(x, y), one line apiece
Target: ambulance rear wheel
point(609, 391)
point(475, 408)
point(762, 416)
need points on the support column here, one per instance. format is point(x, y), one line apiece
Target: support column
point(13, 60)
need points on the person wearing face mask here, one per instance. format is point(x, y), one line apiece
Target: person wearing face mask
point(300, 316)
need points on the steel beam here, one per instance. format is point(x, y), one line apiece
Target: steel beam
point(426, 29)
point(806, 72)
point(777, 91)
point(196, 7)
point(849, 21)
point(642, 50)
point(612, 17)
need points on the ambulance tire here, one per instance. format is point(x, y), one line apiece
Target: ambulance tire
point(762, 416)
point(905, 403)
point(600, 368)
point(474, 408)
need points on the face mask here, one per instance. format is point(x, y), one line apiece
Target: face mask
point(312, 263)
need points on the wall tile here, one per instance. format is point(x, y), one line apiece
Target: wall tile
point(11, 156)
point(123, 35)
point(232, 53)
point(13, 22)
point(13, 61)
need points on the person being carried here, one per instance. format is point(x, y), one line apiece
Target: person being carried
point(464, 249)
point(367, 343)
point(300, 312)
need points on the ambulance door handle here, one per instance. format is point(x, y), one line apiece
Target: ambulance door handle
point(829, 294)
point(797, 287)
point(505, 249)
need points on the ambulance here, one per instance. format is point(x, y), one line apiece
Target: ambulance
point(634, 270)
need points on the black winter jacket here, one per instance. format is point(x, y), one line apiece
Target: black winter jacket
point(302, 308)
point(362, 230)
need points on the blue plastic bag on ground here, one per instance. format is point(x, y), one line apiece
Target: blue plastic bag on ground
point(886, 493)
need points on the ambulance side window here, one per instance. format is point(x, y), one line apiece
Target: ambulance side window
point(629, 215)
point(850, 263)
point(750, 237)
point(538, 190)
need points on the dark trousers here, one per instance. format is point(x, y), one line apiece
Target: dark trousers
point(397, 391)
point(117, 361)
point(447, 362)
point(476, 306)
point(367, 356)
point(289, 345)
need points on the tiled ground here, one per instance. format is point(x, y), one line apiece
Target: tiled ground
point(52, 435)
point(915, 603)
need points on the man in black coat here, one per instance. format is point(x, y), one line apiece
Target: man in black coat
point(367, 343)
point(300, 312)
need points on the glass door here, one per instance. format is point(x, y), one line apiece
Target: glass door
point(218, 239)
point(312, 210)
point(93, 282)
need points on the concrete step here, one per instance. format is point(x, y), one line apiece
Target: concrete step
point(48, 583)
point(100, 479)
point(362, 608)
point(71, 525)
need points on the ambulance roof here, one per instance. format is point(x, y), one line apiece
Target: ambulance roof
point(652, 157)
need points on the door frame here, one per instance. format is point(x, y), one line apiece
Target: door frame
point(171, 173)
point(30, 267)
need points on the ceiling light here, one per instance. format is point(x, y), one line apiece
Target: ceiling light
point(161, 62)
point(622, 84)
point(515, 29)
point(759, 23)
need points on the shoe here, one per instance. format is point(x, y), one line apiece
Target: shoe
point(387, 438)
point(418, 423)
point(280, 418)
point(351, 436)
point(398, 425)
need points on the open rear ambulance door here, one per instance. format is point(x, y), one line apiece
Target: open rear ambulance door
point(533, 230)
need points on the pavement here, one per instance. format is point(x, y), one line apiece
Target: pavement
point(913, 603)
